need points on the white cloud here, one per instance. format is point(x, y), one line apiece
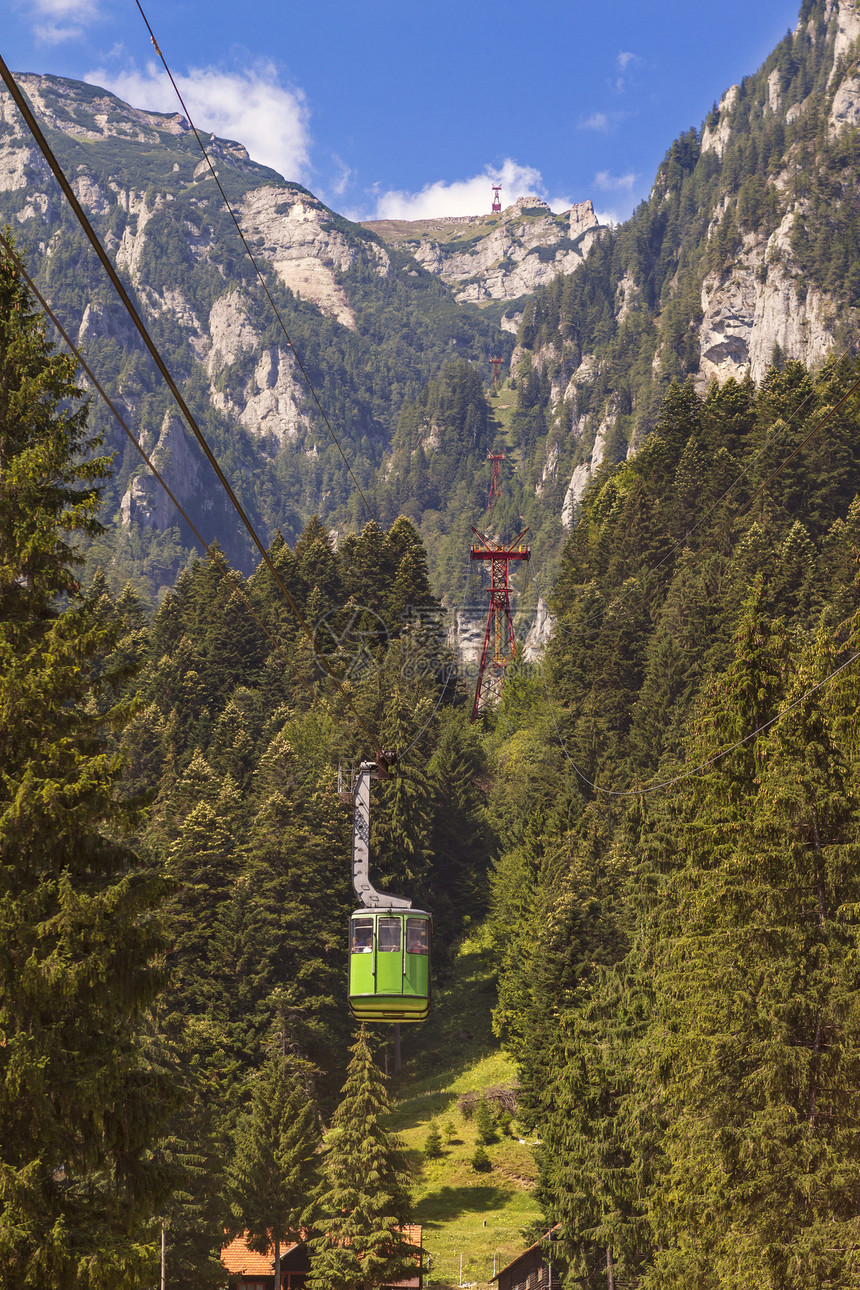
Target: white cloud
point(57, 20)
point(251, 107)
point(624, 60)
point(340, 185)
point(467, 196)
point(597, 121)
point(614, 183)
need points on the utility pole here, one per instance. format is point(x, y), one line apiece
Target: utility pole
point(163, 1265)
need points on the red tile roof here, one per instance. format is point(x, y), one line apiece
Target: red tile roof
point(240, 1261)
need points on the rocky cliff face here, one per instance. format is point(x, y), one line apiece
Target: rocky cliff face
point(291, 231)
point(150, 195)
point(498, 257)
point(753, 256)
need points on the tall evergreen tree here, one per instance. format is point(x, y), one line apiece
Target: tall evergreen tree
point(78, 1111)
point(274, 1179)
point(755, 1040)
point(365, 1200)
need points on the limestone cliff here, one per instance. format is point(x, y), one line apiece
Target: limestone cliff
point(498, 257)
point(747, 253)
point(152, 200)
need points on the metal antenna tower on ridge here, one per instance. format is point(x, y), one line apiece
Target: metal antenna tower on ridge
point(500, 645)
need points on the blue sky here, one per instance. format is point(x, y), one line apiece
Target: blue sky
point(410, 109)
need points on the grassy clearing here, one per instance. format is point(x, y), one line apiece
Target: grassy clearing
point(476, 1215)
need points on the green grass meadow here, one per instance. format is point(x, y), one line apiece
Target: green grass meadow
point(479, 1216)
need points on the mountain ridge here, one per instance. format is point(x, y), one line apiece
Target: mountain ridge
point(743, 254)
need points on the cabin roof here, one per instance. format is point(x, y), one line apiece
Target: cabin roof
point(240, 1261)
point(525, 1254)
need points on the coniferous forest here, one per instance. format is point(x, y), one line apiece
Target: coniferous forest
point(656, 831)
point(659, 825)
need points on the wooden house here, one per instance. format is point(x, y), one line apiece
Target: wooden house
point(250, 1271)
point(531, 1270)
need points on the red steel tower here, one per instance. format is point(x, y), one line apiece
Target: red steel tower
point(497, 201)
point(496, 482)
point(496, 363)
point(500, 646)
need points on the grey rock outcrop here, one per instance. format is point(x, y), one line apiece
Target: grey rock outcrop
point(498, 257)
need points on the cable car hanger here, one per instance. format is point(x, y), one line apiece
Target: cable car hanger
point(389, 941)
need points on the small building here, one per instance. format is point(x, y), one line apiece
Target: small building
point(531, 1270)
point(250, 1271)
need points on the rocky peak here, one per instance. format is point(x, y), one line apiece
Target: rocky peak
point(501, 256)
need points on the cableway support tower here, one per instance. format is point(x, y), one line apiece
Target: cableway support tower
point(496, 482)
point(500, 645)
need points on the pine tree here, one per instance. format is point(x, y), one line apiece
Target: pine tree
point(481, 1162)
point(433, 1145)
point(78, 1111)
point(365, 1200)
point(755, 1041)
point(274, 1180)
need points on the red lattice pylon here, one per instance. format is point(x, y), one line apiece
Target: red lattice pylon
point(500, 646)
point(496, 482)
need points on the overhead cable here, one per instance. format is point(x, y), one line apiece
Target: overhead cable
point(688, 774)
point(219, 563)
point(80, 214)
point(252, 258)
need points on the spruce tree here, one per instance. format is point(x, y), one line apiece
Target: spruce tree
point(78, 1109)
point(365, 1199)
point(755, 1040)
point(274, 1179)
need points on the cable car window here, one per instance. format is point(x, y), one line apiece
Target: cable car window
point(417, 936)
point(362, 936)
point(388, 934)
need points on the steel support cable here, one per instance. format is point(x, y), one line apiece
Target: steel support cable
point(767, 444)
point(80, 214)
point(687, 774)
point(253, 260)
point(220, 564)
point(451, 672)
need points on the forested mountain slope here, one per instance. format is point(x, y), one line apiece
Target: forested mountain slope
point(676, 898)
point(744, 252)
point(369, 324)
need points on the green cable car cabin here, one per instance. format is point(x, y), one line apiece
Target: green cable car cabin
point(389, 964)
point(389, 941)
